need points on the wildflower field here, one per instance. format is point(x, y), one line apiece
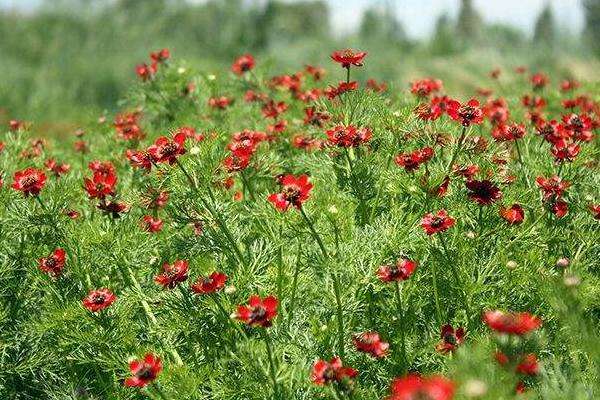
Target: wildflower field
point(261, 235)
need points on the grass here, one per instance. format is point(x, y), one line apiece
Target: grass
point(364, 209)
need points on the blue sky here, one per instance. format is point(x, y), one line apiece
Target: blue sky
point(418, 16)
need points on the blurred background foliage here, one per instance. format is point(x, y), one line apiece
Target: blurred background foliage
point(69, 59)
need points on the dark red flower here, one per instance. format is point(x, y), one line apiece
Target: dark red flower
point(569, 84)
point(514, 214)
point(510, 132)
point(496, 110)
point(466, 171)
point(258, 312)
point(334, 91)
point(511, 323)
point(467, 114)
point(209, 284)
point(113, 208)
point(349, 136)
point(151, 224)
point(563, 150)
point(400, 271)
point(483, 192)
point(243, 64)
point(140, 159)
point(317, 73)
point(160, 56)
point(54, 263)
point(144, 371)
point(416, 387)
point(99, 299)
point(539, 80)
point(58, 168)
point(553, 187)
point(167, 150)
point(348, 57)
point(30, 181)
point(595, 209)
point(220, 103)
point(100, 185)
point(314, 117)
point(559, 208)
point(371, 343)
point(325, 373)
point(376, 86)
point(528, 365)
point(412, 161)
point(173, 274)
point(145, 72)
point(424, 87)
point(15, 125)
point(295, 190)
point(127, 126)
point(271, 109)
point(435, 223)
point(451, 339)
point(238, 160)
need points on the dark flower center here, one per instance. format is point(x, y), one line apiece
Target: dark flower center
point(291, 193)
point(98, 298)
point(28, 181)
point(258, 314)
point(145, 373)
point(436, 222)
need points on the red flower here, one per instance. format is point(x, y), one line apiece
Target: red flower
point(413, 387)
point(30, 181)
point(511, 323)
point(324, 373)
point(314, 117)
point(243, 64)
point(54, 263)
point(539, 80)
point(412, 161)
point(349, 136)
point(100, 185)
point(514, 215)
point(559, 208)
point(451, 339)
point(316, 72)
point(375, 86)
point(151, 224)
point(496, 110)
point(466, 171)
point(258, 312)
point(467, 114)
point(16, 125)
point(58, 169)
point(173, 274)
point(370, 343)
point(568, 85)
point(348, 57)
point(294, 192)
point(272, 109)
point(209, 284)
point(439, 222)
point(220, 103)
point(145, 71)
point(400, 271)
point(552, 187)
point(562, 150)
point(483, 192)
point(114, 208)
point(332, 91)
point(139, 159)
point(144, 371)
point(160, 56)
point(127, 126)
point(528, 365)
point(99, 299)
point(424, 87)
point(238, 160)
point(595, 209)
point(167, 150)
point(510, 132)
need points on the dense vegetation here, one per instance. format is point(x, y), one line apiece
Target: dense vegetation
point(380, 226)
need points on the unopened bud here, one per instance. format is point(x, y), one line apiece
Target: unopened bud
point(230, 289)
point(511, 264)
point(562, 262)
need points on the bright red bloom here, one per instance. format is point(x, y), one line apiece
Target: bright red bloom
point(334, 91)
point(349, 136)
point(435, 223)
point(412, 161)
point(243, 64)
point(511, 323)
point(100, 185)
point(314, 117)
point(113, 208)
point(209, 284)
point(559, 208)
point(371, 343)
point(579, 126)
point(160, 55)
point(127, 126)
point(509, 132)
point(30, 181)
point(595, 209)
point(483, 192)
point(145, 72)
point(562, 150)
point(424, 87)
point(54, 263)
point(98, 300)
point(238, 160)
point(569, 84)
point(58, 169)
point(306, 143)
point(167, 150)
point(376, 86)
point(528, 365)
point(533, 102)
point(451, 339)
point(400, 271)
point(552, 187)
point(139, 159)
point(316, 72)
point(539, 80)
point(295, 190)
point(348, 57)
point(151, 224)
point(514, 215)
point(416, 387)
point(258, 312)
point(466, 171)
point(173, 274)
point(220, 103)
point(468, 114)
point(496, 110)
point(325, 373)
point(144, 371)
point(272, 109)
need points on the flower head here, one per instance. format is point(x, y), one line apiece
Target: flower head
point(435, 223)
point(413, 387)
point(511, 323)
point(327, 372)
point(54, 263)
point(167, 150)
point(144, 371)
point(371, 343)
point(514, 214)
point(450, 339)
point(30, 181)
point(258, 312)
point(209, 284)
point(349, 136)
point(400, 271)
point(243, 64)
point(468, 114)
point(295, 190)
point(99, 299)
point(173, 274)
point(348, 57)
point(483, 192)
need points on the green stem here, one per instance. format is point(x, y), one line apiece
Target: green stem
point(294, 287)
point(519, 151)
point(456, 150)
point(248, 186)
point(402, 328)
point(187, 175)
point(37, 198)
point(339, 313)
point(272, 369)
point(436, 296)
point(457, 279)
point(314, 233)
point(348, 75)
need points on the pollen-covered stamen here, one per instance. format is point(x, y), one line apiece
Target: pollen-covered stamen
point(50, 262)
point(98, 298)
point(28, 181)
point(145, 373)
point(450, 338)
point(168, 150)
point(436, 222)
point(292, 193)
point(258, 315)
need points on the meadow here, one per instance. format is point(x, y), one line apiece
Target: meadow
point(251, 233)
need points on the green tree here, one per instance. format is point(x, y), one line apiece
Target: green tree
point(381, 24)
point(469, 23)
point(592, 23)
point(545, 29)
point(442, 42)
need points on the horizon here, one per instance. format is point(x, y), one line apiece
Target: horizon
point(418, 17)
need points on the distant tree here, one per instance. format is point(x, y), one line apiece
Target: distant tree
point(380, 23)
point(592, 23)
point(545, 29)
point(443, 42)
point(469, 23)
